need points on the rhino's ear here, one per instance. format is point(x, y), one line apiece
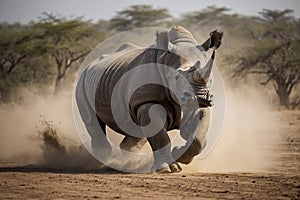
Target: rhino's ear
point(214, 41)
point(206, 44)
point(162, 40)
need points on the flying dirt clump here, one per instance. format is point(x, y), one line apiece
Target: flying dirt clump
point(50, 137)
point(40, 132)
point(58, 155)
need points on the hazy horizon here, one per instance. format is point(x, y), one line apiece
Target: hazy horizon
point(15, 11)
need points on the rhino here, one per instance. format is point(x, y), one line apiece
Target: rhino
point(131, 108)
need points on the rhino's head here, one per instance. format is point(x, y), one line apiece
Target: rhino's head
point(193, 64)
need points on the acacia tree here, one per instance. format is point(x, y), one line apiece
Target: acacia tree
point(275, 55)
point(208, 16)
point(17, 43)
point(138, 16)
point(68, 42)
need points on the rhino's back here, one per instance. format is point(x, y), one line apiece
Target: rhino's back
point(103, 75)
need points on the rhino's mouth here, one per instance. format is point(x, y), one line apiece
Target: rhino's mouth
point(196, 96)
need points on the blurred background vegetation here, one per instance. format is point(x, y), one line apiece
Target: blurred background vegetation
point(43, 56)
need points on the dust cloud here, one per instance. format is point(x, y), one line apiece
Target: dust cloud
point(248, 136)
point(41, 132)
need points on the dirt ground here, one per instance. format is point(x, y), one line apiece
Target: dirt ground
point(281, 181)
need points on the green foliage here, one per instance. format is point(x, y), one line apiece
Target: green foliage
point(276, 16)
point(16, 43)
point(138, 16)
point(274, 55)
point(209, 15)
point(30, 54)
point(19, 45)
point(51, 49)
point(67, 41)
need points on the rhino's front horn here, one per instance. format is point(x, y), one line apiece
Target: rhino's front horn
point(203, 73)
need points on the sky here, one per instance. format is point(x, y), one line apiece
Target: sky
point(26, 10)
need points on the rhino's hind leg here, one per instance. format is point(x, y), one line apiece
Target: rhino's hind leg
point(102, 124)
point(132, 144)
point(100, 142)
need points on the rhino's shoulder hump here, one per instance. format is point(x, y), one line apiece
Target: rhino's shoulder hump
point(127, 46)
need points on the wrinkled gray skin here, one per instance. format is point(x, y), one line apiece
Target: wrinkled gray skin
point(177, 49)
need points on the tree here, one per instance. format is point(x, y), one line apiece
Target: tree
point(17, 43)
point(209, 15)
point(138, 16)
point(68, 42)
point(275, 16)
point(275, 55)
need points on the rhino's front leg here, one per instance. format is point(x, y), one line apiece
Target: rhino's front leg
point(194, 132)
point(161, 147)
point(160, 142)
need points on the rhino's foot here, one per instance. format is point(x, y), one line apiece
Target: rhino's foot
point(166, 168)
point(175, 167)
point(161, 169)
